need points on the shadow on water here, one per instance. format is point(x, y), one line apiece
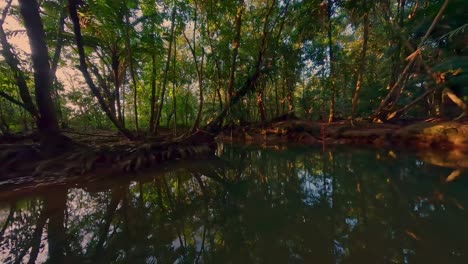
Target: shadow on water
point(250, 205)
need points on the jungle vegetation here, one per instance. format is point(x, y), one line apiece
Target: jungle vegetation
point(144, 67)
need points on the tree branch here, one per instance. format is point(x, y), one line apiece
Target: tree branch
point(83, 67)
point(5, 12)
point(14, 63)
point(12, 99)
point(411, 59)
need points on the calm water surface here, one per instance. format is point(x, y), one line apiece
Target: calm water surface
point(249, 205)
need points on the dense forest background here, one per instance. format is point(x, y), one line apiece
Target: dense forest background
point(145, 66)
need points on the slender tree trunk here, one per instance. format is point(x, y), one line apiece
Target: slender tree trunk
point(331, 115)
point(55, 61)
point(396, 39)
point(235, 48)
point(174, 95)
point(291, 83)
point(104, 85)
point(166, 68)
point(389, 102)
point(84, 69)
point(200, 85)
point(276, 97)
point(115, 61)
point(218, 69)
point(122, 95)
point(199, 68)
point(132, 71)
point(250, 83)
point(283, 94)
point(14, 63)
point(153, 92)
point(260, 104)
point(362, 65)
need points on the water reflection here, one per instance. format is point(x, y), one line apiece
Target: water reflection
point(250, 205)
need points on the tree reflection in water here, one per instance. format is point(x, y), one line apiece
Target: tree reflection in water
point(250, 205)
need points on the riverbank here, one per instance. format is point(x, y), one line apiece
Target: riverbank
point(428, 134)
point(108, 153)
point(100, 153)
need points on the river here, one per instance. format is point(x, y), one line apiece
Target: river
point(249, 205)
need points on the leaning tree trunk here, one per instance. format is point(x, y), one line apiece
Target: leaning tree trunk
point(390, 101)
point(362, 65)
point(84, 70)
point(249, 84)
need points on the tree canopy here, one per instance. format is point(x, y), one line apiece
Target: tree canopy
point(141, 65)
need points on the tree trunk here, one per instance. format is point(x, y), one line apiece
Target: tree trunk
point(84, 69)
point(261, 105)
point(249, 84)
point(174, 95)
point(55, 61)
point(47, 124)
point(109, 98)
point(199, 68)
point(276, 97)
point(331, 115)
point(153, 92)
point(13, 63)
point(4, 128)
point(115, 61)
point(218, 69)
point(235, 48)
point(122, 95)
point(389, 102)
point(362, 65)
point(200, 85)
point(132, 70)
point(290, 96)
point(166, 68)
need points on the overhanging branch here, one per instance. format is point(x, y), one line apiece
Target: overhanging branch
point(12, 99)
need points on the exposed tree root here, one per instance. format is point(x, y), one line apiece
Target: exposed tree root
point(28, 160)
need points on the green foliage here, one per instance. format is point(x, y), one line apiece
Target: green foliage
point(295, 57)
